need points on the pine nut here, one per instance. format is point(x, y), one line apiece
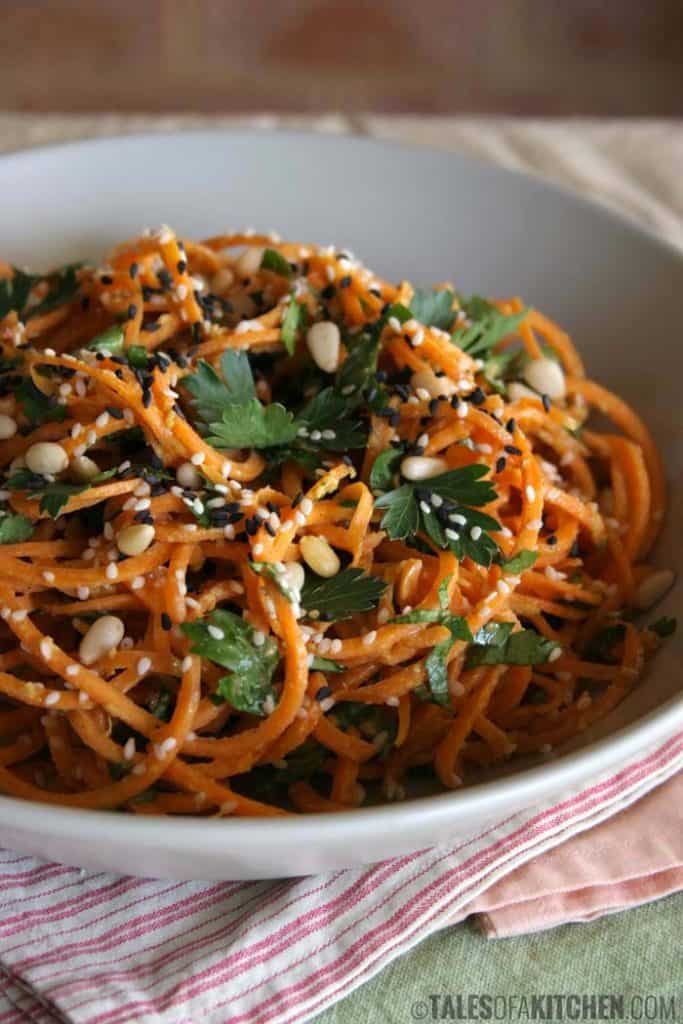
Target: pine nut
point(83, 468)
point(46, 457)
point(653, 588)
point(249, 261)
point(188, 476)
point(517, 390)
point(8, 427)
point(547, 377)
point(133, 540)
point(222, 281)
point(104, 635)
point(318, 554)
point(421, 467)
point(323, 341)
point(428, 381)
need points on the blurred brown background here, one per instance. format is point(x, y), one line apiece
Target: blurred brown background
point(533, 57)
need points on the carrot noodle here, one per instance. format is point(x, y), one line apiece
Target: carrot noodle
point(354, 706)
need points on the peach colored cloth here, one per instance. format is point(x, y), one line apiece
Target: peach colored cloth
point(632, 858)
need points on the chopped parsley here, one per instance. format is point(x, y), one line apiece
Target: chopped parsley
point(15, 528)
point(53, 495)
point(433, 308)
point(36, 406)
point(496, 644)
point(488, 326)
point(274, 261)
point(519, 563)
point(293, 322)
point(436, 664)
point(228, 640)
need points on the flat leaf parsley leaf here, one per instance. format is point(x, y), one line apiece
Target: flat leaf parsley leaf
point(441, 508)
point(228, 640)
point(348, 593)
point(433, 308)
point(488, 326)
point(53, 496)
point(253, 425)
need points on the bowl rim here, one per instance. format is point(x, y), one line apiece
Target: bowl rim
point(658, 725)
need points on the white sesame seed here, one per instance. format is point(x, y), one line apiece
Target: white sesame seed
point(370, 638)
point(46, 647)
point(327, 704)
point(335, 646)
point(53, 697)
point(129, 749)
point(257, 549)
point(112, 571)
point(19, 615)
point(186, 663)
point(143, 666)
point(72, 670)
point(198, 458)
point(462, 410)
point(48, 576)
point(530, 493)
point(102, 420)
point(475, 532)
point(258, 638)
point(138, 582)
point(306, 506)
point(216, 632)
point(555, 654)
point(451, 534)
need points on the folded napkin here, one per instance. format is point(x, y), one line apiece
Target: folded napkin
point(104, 949)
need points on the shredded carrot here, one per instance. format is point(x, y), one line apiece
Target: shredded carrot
point(126, 516)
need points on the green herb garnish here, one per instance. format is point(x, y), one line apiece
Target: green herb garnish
point(229, 641)
point(15, 528)
point(348, 593)
point(496, 644)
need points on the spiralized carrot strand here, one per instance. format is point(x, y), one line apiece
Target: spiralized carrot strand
point(397, 560)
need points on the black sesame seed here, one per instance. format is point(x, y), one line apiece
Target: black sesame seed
point(133, 270)
point(455, 402)
point(270, 529)
point(107, 279)
point(376, 292)
point(252, 525)
point(433, 406)
point(512, 449)
point(551, 539)
point(297, 499)
point(153, 327)
point(511, 425)
point(501, 464)
point(546, 402)
point(146, 398)
point(381, 376)
point(345, 281)
point(196, 331)
point(477, 397)
point(165, 278)
point(328, 292)
point(347, 460)
point(166, 621)
point(575, 550)
point(181, 266)
point(323, 693)
point(241, 536)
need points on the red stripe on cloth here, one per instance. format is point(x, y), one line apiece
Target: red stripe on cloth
point(537, 826)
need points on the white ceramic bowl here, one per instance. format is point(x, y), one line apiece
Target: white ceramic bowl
point(408, 212)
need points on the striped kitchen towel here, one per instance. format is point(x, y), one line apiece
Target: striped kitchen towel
point(105, 949)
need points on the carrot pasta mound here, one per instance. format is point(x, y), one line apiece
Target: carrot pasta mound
point(277, 535)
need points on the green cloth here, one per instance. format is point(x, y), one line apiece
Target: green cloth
point(638, 951)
